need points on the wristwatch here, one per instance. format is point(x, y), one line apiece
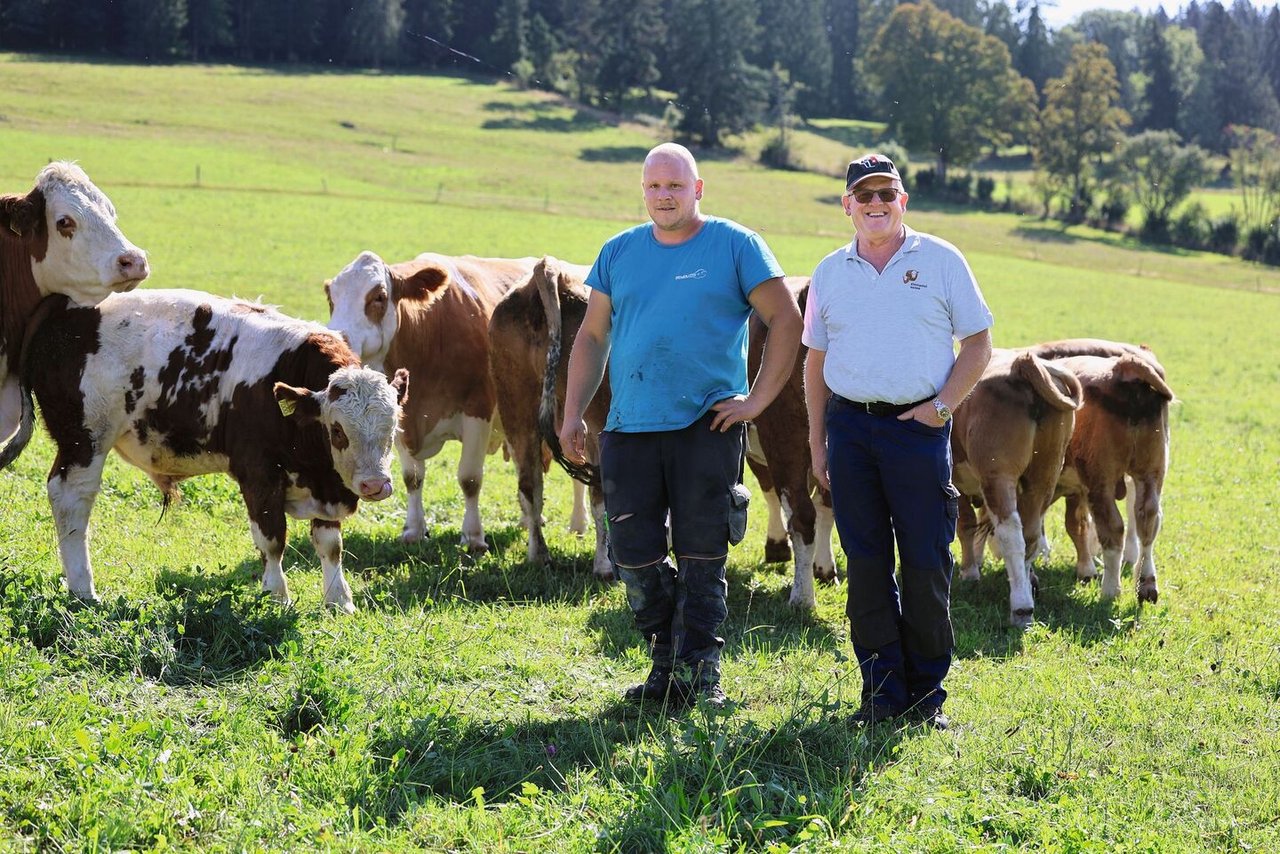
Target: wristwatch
point(944, 411)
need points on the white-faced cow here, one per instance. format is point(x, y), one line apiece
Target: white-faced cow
point(533, 326)
point(431, 316)
point(183, 383)
point(61, 237)
point(778, 453)
point(1121, 434)
point(1008, 442)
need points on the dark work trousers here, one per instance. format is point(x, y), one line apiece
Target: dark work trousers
point(891, 482)
point(690, 474)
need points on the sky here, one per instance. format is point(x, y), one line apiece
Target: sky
point(1065, 11)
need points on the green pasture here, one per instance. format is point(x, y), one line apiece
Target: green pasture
point(472, 704)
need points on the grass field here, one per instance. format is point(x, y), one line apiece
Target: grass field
point(473, 703)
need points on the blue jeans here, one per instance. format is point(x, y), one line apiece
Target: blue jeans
point(689, 476)
point(891, 484)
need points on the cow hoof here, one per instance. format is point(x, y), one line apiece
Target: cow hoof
point(970, 574)
point(799, 600)
point(408, 538)
point(826, 574)
point(476, 549)
point(605, 575)
point(1086, 579)
point(777, 551)
point(1147, 591)
point(347, 607)
point(1022, 618)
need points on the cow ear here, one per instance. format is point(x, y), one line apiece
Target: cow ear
point(21, 215)
point(421, 284)
point(400, 382)
point(328, 295)
point(298, 403)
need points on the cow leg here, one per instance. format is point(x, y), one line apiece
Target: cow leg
point(578, 521)
point(776, 547)
point(967, 533)
point(801, 525)
point(415, 518)
point(326, 538)
point(1145, 503)
point(1132, 543)
point(1000, 497)
point(475, 444)
point(602, 566)
point(527, 453)
point(265, 504)
point(1080, 529)
point(824, 559)
point(72, 491)
point(1110, 527)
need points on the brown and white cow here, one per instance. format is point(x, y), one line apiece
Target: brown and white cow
point(182, 383)
point(1079, 515)
point(1008, 442)
point(778, 454)
point(61, 237)
point(431, 316)
point(1121, 434)
point(532, 328)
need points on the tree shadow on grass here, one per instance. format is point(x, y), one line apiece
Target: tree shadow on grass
point(579, 122)
point(614, 154)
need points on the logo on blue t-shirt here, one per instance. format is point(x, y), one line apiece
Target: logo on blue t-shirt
point(696, 274)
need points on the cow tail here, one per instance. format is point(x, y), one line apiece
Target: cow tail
point(1048, 381)
point(1137, 368)
point(26, 424)
point(546, 274)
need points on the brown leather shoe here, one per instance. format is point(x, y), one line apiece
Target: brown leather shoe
point(659, 686)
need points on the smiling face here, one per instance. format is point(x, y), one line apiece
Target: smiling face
point(877, 222)
point(672, 189)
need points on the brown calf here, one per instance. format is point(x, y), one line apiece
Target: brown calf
point(531, 328)
point(1007, 445)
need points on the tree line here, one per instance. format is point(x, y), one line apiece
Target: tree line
point(732, 63)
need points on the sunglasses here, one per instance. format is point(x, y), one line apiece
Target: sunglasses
point(887, 195)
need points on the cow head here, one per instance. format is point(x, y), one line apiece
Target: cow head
point(364, 300)
point(76, 247)
point(359, 411)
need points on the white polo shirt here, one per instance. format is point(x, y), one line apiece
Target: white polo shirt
point(889, 336)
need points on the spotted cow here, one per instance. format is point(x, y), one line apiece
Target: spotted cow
point(60, 237)
point(778, 454)
point(182, 383)
point(431, 316)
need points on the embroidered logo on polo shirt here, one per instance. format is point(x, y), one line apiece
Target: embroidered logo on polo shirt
point(696, 274)
point(909, 278)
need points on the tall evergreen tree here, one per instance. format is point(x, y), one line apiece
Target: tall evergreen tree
point(1032, 58)
point(428, 33)
point(208, 27)
point(373, 31)
point(718, 91)
point(1232, 88)
point(1271, 50)
point(843, 19)
point(1161, 97)
point(154, 28)
point(510, 40)
point(629, 48)
point(793, 35)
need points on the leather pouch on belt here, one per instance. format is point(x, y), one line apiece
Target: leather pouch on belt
point(739, 499)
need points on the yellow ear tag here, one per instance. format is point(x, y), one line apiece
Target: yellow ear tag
point(287, 406)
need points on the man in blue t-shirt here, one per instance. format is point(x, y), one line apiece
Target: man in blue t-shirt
point(668, 312)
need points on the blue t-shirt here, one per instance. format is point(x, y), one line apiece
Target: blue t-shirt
point(679, 322)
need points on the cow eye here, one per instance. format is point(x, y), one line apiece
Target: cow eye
point(338, 437)
point(65, 225)
point(379, 296)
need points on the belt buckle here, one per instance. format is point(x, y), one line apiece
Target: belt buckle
point(869, 407)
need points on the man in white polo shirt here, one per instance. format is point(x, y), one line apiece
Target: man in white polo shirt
point(881, 379)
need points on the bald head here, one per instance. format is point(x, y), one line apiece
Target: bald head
point(672, 152)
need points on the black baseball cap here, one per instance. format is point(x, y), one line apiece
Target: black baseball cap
point(870, 164)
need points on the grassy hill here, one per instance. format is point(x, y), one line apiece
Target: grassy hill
point(472, 703)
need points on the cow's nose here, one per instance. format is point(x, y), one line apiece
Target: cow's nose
point(133, 264)
point(375, 489)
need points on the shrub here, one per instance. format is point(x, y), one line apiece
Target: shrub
point(1224, 234)
point(1155, 229)
point(959, 189)
point(985, 190)
point(1191, 228)
point(926, 183)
